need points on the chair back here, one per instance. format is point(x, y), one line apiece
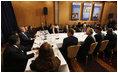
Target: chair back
point(103, 45)
point(72, 51)
point(92, 47)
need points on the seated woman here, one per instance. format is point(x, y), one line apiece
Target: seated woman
point(46, 61)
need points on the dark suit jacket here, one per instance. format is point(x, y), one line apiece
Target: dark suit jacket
point(83, 51)
point(51, 31)
point(25, 40)
point(30, 34)
point(23, 37)
point(111, 24)
point(71, 40)
point(83, 29)
point(112, 41)
point(42, 28)
point(65, 30)
point(15, 59)
point(99, 37)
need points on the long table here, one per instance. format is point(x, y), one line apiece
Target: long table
point(56, 40)
point(37, 43)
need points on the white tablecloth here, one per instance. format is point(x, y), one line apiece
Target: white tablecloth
point(57, 39)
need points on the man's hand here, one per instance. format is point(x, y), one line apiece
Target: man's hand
point(36, 48)
point(33, 38)
point(36, 35)
point(37, 52)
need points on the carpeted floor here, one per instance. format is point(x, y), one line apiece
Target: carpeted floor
point(97, 65)
point(112, 62)
point(92, 66)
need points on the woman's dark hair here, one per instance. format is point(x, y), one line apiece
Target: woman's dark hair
point(46, 50)
point(13, 39)
point(47, 60)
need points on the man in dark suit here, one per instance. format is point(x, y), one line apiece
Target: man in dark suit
point(74, 26)
point(99, 37)
point(112, 37)
point(42, 27)
point(85, 46)
point(84, 28)
point(66, 28)
point(111, 23)
point(70, 40)
point(25, 40)
point(27, 32)
point(78, 27)
point(14, 56)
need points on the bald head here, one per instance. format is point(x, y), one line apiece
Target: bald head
point(84, 25)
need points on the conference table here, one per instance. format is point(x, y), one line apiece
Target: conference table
point(38, 42)
point(56, 40)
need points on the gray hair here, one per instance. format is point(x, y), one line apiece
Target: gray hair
point(90, 30)
point(21, 28)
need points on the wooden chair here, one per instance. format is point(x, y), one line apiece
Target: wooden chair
point(90, 52)
point(103, 45)
point(72, 51)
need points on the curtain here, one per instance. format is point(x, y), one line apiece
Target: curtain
point(8, 20)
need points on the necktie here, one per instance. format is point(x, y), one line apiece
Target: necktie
point(19, 48)
point(25, 35)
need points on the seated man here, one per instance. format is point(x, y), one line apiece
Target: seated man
point(83, 51)
point(27, 32)
point(14, 56)
point(78, 27)
point(53, 29)
point(42, 27)
point(25, 40)
point(74, 26)
point(70, 40)
point(56, 28)
point(84, 28)
point(99, 37)
point(31, 32)
point(112, 37)
point(66, 28)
